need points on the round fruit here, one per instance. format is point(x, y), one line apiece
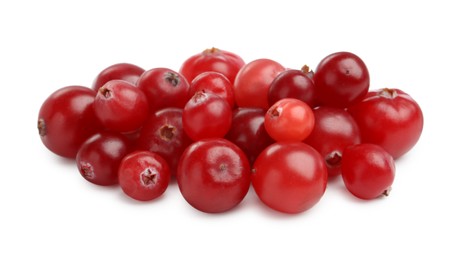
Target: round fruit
point(293, 84)
point(66, 119)
point(216, 83)
point(389, 118)
point(289, 177)
point(367, 170)
point(121, 71)
point(213, 175)
point(143, 175)
point(253, 81)
point(341, 80)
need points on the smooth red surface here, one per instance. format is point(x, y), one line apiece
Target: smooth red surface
point(122, 71)
point(292, 84)
point(389, 118)
point(216, 83)
point(120, 106)
point(253, 81)
point(99, 157)
point(163, 88)
point(163, 134)
point(66, 119)
point(213, 175)
point(289, 177)
point(143, 175)
point(341, 80)
point(213, 59)
point(289, 120)
point(248, 131)
point(367, 170)
point(334, 130)
point(206, 115)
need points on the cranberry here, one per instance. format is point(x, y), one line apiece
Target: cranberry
point(213, 175)
point(163, 134)
point(221, 61)
point(164, 88)
point(341, 79)
point(248, 131)
point(121, 107)
point(99, 157)
point(121, 71)
point(66, 119)
point(143, 175)
point(216, 83)
point(334, 130)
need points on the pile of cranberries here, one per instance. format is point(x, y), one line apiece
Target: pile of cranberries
point(220, 125)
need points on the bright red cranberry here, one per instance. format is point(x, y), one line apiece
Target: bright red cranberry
point(341, 80)
point(221, 61)
point(143, 175)
point(293, 84)
point(122, 71)
point(248, 132)
point(121, 107)
point(206, 115)
point(334, 130)
point(289, 177)
point(289, 120)
point(213, 175)
point(99, 157)
point(367, 170)
point(216, 83)
point(66, 119)
point(163, 134)
point(164, 88)
point(389, 118)
point(253, 81)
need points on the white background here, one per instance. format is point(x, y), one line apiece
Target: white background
point(49, 211)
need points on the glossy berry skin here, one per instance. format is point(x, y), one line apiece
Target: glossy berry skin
point(292, 84)
point(334, 130)
point(206, 115)
point(341, 79)
point(367, 170)
point(66, 119)
point(213, 175)
point(289, 177)
point(121, 71)
point(163, 134)
point(121, 107)
point(253, 81)
point(164, 88)
point(143, 175)
point(248, 131)
point(213, 59)
point(99, 157)
point(389, 118)
point(289, 120)
point(216, 83)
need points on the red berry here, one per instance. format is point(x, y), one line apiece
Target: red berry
point(143, 175)
point(289, 120)
point(367, 170)
point(341, 80)
point(213, 175)
point(253, 81)
point(121, 107)
point(163, 134)
point(206, 115)
point(293, 84)
point(99, 157)
point(164, 88)
point(213, 59)
point(334, 130)
point(122, 71)
point(389, 118)
point(216, 83)
point(66, 119)
point(289, 177)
